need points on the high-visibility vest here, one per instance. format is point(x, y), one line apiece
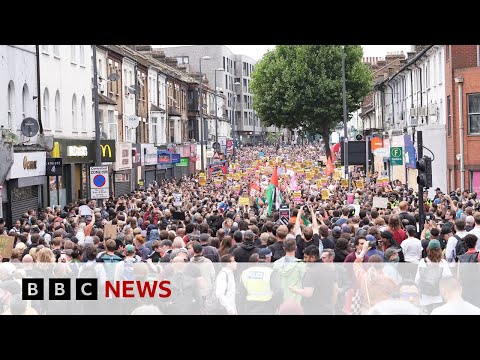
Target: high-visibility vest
point(257, 283)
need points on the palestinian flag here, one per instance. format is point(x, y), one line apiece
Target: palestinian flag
point(273, 193)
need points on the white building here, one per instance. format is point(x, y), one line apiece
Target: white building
point(413, 99)
point(128, 66)
point(22, 169)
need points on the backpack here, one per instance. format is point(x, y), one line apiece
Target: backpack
point(430, 277)
point(460, 248)
point(468, 258)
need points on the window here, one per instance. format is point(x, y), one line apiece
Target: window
point(82, 55)
point(102, 126)
point(57, 111)
point(46, 109)
point(11, 103)
point(72, 53)
point(25, 101)
point(56, 50)
point(45, 49)
point(182, 60)
point(112, 125)
point(473, 113)
point(154, 131)
point(172, 131)
point(83, 114)
point(447, 52)
point(74, 112)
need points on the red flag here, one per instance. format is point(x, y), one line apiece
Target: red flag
point(332, 153)
point(329, 166)
point(274, 178)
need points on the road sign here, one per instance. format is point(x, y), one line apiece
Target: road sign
point(54, 166)
point(99, 188)
point(396, 155)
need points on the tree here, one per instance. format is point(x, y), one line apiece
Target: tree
point(301, 85)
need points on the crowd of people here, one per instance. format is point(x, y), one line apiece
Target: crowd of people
point(335, 254)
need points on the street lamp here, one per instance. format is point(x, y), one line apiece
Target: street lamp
point(202, 130)
point(234, 116)
point(216, 109)
point(345, 130)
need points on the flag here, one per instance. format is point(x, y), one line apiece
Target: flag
point(273, 193)
point(294, 183)
point(329, 166)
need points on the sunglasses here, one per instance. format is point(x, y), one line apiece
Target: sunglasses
point(407, 295)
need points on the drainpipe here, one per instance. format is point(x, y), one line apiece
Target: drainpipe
point(459, 81)
point(39, 91)
point(421, 87)
point(393, 106)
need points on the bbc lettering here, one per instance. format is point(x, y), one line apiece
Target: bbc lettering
point(59, 289)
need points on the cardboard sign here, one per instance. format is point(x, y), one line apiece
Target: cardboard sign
point(345, 182)
point(244, 201)
point(337, 175)
point(202, 180)
point(85, 210)
point(359, 184)
point(325, 194)
point(6, 246)
point(380, 202)
point(297, 196)
point(382, 181)
point(218, 182)
point(236, 188)
point(324, 181)
point(309, 175)
point(110, 231)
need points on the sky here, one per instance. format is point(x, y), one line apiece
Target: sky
point(256, 51)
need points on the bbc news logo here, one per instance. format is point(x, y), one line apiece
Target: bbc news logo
point(59, 289)
point(87, 289)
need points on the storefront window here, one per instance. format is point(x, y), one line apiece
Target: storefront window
point(54, 194)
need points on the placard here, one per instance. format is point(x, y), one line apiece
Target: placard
point(380, 202)
point(297, 196)
point(345, 182)
point(6, 246)
point(177, 199)
point(359, 184)
point(325, 194)
point(85, 210)
point(202, 180)
point(110, 231)
point(244, 201)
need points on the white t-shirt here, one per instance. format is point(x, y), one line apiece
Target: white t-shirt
point(412, 249)
point(456, 308)
point(476, 231)
point(429, 299)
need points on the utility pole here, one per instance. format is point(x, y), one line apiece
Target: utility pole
point(98, 157)
point(345, 118)
point(421, 216)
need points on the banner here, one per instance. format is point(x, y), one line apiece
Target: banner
point(217, 168)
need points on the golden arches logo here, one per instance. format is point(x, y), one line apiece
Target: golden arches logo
point(104, 150)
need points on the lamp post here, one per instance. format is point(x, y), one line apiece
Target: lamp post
point(345, 130)
point(202, 127)
point(216, 109)
point(234, 117)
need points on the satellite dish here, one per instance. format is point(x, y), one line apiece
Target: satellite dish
point(132, 89)
point(29, 127)
point(113, 77)
point(133, 121)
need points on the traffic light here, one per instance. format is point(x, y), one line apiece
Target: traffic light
point(424, 167)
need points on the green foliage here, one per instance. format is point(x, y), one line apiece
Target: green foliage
point(301, 85)
point(270, 138)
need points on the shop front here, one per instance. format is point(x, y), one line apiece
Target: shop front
point(136, 166)
point(149, 163)
point(164, 165)
point(77, 156)
point(122, 168)
point(26, 185)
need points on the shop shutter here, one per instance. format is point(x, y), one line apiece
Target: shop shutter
point(149, 177)
point(23, 199)
point(122, 188)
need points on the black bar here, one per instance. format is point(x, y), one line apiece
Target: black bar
point(58, 190)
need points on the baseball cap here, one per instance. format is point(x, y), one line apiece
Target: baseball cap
point(264, 253)
point(390, 251)
point(370, 238)
point(130, 248)
point(434, 244)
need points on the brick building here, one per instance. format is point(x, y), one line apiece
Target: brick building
point(462, 80)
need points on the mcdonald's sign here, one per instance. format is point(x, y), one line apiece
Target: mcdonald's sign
point(107, 147)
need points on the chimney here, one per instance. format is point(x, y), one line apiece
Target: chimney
point(419, 48)
point(144, 48)
point(410, 55)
